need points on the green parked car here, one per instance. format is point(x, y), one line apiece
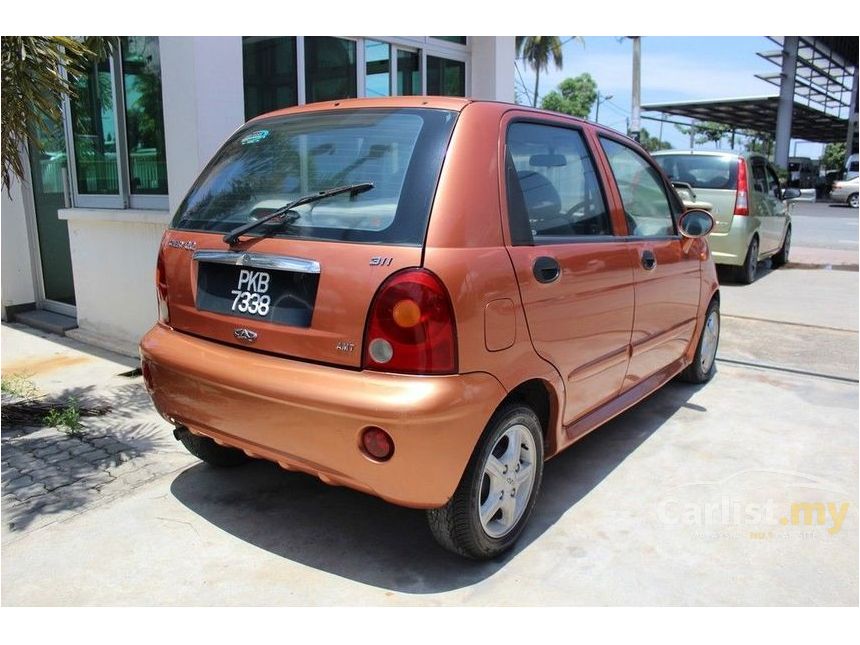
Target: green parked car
point(743, 193)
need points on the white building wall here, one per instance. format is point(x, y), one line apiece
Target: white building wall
point(204, 102)
point(16, 268)
point(492, 68)
point(113, 262)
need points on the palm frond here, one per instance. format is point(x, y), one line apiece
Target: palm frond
point(37, 72)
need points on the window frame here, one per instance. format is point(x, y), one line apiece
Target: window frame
point(613, 236)
point(124, 199)
point(676, 208)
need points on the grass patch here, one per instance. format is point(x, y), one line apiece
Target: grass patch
point(67, 419)
point(19, 385)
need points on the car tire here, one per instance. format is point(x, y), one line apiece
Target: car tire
point(852, 200)
point(497, 493)
point(746, 273)
point(207, 450)
point(781, 257)
point(703, 367)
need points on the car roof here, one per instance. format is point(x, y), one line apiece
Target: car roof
point(457, 104)
point(708, 153)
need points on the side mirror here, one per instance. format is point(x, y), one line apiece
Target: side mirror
point(791, 193)
point(696, 223)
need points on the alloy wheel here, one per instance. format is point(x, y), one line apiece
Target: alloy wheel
point(710, 340)
point(507, 481)
point(752, 261)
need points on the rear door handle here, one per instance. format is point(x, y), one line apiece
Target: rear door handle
point(649, 261)
point(546, 269)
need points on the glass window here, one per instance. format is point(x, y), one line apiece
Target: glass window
point(759, 177)
point(408, 73)
point(553, 189)
point(460, 40)
point(330, 71)
point(94, 132)
point(269, 74)
point(701, 171)
point(773, 183)
point(377, 57)
point(272, 162)
point(144, 120)
point(646, 204)
point(445, 77)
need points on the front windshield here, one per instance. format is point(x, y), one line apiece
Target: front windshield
point(272, 162)
point(701, 171)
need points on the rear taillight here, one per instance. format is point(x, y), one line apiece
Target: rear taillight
point(411, 326)
point(161, 288)
point(742, 200)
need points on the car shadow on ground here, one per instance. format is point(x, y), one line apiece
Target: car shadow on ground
point(365, 539)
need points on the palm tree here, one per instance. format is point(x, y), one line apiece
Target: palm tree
point(34, 84)
point(536, 52)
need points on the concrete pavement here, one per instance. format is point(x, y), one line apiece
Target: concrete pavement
point(741, 492)
point(824, 234)
point(677, 502)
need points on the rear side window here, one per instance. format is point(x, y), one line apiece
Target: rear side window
point(701, 171)
point(646, 204)
point(759, 183)
point(271, 162)
point(552, 187)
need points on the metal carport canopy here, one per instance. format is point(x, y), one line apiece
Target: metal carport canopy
point(759, 113)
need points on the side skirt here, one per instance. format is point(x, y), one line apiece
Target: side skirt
point(581, 427)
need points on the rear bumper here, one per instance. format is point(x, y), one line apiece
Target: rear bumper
point(731, 247)
point(310, 417)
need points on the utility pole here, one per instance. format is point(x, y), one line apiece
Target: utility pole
point(636, 126)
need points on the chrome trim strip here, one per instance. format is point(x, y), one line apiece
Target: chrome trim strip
point(259, 261)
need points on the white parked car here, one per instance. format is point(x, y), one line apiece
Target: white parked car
point(845, 191)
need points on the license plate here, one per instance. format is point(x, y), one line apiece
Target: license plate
point(283, 297)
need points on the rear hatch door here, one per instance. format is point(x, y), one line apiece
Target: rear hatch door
point(712, 180)
point(301, 285)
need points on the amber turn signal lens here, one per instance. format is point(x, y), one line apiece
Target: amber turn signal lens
point(406, 313)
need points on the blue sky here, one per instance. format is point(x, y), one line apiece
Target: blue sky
point(674, 68)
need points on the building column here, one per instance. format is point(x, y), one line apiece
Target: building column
point(786, 101)
point(492, 68)
point(852, 117)
point(204, 102)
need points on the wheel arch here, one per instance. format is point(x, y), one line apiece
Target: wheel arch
point(541, 397)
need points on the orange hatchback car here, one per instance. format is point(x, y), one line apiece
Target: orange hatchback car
point(424, 299)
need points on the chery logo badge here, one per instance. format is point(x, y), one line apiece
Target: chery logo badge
point(245, 334)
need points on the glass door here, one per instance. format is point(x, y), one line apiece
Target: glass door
point(48, 170)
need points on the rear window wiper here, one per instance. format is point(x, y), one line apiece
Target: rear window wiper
point(353, 189)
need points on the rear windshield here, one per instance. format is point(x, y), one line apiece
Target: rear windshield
point(271, 162)
point(701, 171)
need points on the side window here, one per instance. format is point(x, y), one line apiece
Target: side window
point(646, 205)
point(759, 178)
point(773, 183)
point(552, 186)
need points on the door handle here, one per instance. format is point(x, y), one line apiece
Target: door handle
point(649, 261)
point(546, 269)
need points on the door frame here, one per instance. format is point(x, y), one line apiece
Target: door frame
point(31, 224)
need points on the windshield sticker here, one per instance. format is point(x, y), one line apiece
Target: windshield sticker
point(255, 137)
